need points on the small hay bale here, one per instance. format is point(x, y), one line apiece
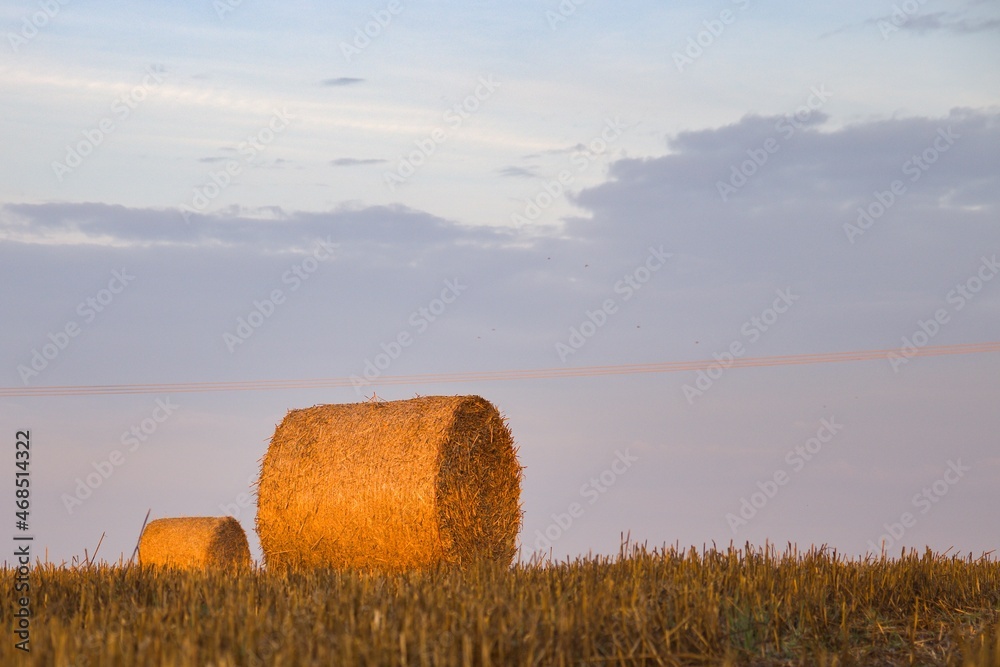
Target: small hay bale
point(390, 486)
point(195, 543)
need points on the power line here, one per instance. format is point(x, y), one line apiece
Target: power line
point(496, 376)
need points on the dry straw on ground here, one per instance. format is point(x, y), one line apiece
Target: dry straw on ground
point(390, 486)
point(195, 543)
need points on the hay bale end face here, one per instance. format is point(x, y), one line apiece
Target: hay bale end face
point(390, 486)
point(195, 543)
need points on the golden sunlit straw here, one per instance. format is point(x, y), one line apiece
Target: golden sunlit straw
point(195, 543)
point(391, 486)
point(496, 376)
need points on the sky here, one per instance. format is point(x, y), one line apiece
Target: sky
point(227, 191)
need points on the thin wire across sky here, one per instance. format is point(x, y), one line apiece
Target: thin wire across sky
point(497, 376)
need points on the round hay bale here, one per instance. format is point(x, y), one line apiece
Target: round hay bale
point(390, 486)
point(195, 543)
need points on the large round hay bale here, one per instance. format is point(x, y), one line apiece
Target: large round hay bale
point(195, 543)
point(390, 486)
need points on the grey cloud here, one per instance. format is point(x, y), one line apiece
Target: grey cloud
point(963, 21)
point(355, 162)
point(955, 22)
point(945, 21)
point(830, 169)
point(270, 230)
point(785, 226)
point(517, 172)
point(342, 81)
point(828, 173)
point(556, 151)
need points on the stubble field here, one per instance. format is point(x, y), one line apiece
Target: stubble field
point(645, 607)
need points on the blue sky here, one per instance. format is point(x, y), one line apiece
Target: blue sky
point(212, 157)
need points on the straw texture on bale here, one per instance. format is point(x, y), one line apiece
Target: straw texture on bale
point(390, 486)
point(195, 543)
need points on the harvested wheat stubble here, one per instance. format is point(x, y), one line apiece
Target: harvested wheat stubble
point(195, 543)
point(390, 486)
